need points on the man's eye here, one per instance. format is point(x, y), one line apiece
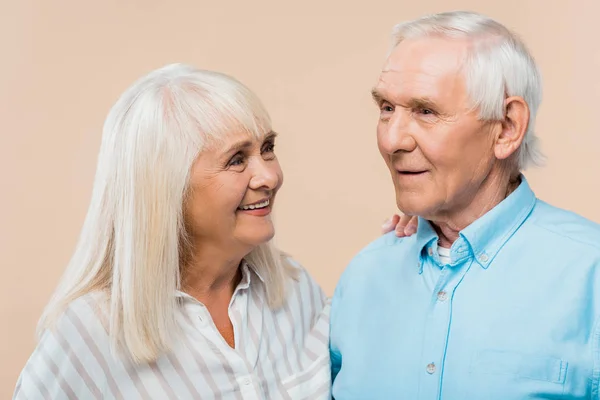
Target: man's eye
point(386, 107)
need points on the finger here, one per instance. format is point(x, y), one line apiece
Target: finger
point(411, 227)
point(401, 226)
point(390, 224)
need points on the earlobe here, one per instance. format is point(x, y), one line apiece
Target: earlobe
point(514, 126)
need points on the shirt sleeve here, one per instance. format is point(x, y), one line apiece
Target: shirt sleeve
point(595, 379)
point(339, 312)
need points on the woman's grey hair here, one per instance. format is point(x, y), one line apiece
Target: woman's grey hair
point(133, 240)
point(498, 65)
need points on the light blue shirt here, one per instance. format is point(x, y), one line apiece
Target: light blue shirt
point(514, 316)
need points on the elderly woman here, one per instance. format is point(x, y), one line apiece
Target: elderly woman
point(175, 290)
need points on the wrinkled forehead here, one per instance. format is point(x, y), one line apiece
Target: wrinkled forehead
point(433, 49)
point(431, 64)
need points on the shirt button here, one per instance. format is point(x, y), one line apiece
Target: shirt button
point(246, 381)
point(442, 296)
point(430, 368)
point(483, 257)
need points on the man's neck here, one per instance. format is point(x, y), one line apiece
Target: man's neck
point(491, 193)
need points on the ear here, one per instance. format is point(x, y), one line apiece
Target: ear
point(514, 126)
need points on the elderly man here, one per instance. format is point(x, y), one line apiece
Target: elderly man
point(497, 295)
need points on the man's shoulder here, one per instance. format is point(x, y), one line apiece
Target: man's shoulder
point(387, 242)
point(376, 256)
point(566, 225)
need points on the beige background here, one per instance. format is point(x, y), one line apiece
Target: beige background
point(64, 62)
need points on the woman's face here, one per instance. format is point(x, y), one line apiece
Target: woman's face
point(232, 190)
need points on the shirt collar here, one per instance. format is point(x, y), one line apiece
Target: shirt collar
point(249, 269)
point(425, 236)
point(489, 233)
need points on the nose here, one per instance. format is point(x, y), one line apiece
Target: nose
point(266, 174)
point(395, 135)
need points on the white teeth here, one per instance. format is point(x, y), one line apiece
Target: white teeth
point(255, 206)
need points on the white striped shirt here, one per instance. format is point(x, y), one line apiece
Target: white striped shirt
point(278, 354)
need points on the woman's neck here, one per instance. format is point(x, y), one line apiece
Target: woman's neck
point(211, 273)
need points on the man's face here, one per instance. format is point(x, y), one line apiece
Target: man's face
point(437, 150)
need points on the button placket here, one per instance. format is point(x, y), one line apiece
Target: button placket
point(248, 388)
point(430, 368)
point(437, 328)
point(442, 296)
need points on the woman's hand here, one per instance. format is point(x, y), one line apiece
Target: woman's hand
point(403, 225)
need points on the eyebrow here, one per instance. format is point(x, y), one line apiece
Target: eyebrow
point(270, 136)
point(377, 96)
point(415, 102)
point(248, 143)
point(422, 102)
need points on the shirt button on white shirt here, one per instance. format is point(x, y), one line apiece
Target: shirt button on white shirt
point(442, 296)
point(430, 368)
point(246, 381)
point(483, 257)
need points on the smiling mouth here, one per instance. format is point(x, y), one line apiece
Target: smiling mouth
point(411, 172)
point(256, 206)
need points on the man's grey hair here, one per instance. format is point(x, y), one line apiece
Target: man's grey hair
point(498, 65)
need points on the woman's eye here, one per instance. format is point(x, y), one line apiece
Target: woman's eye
point(238, 159)
point(268, 147)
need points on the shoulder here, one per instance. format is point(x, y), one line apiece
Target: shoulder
point(383, 243)
point(303, 282)
point(82, 328)
point(376, 257)
point(85, 316)
point(566, 225)
point(68, 359)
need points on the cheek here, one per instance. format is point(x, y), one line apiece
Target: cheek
point(442, 156)
point(455, 153)
point(216, 199)
point(194, 215)
point(461, 162)
point(278, 172)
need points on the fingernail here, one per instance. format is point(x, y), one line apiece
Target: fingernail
point(387, 225)
point(410, 230)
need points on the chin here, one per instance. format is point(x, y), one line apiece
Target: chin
point(412, 206)
point(258, 238)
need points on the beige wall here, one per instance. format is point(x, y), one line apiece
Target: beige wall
point(65, 62)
